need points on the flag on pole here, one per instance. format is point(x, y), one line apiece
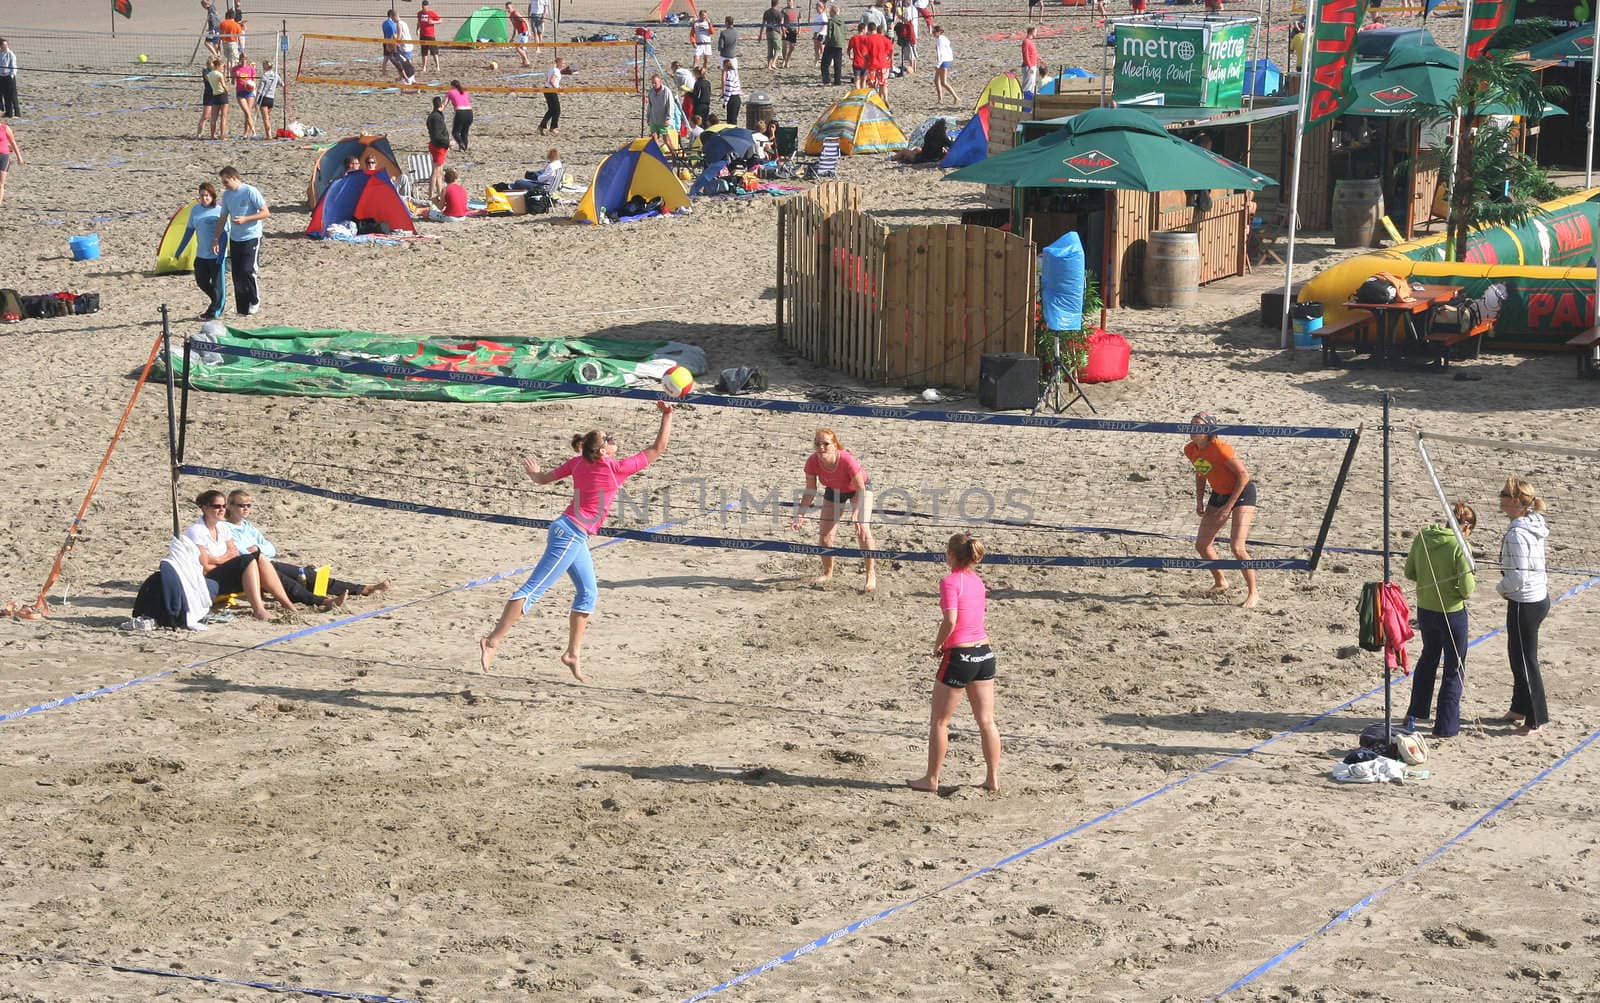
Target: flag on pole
point(1485, 18)
point(1331, 57)
point(123, 7)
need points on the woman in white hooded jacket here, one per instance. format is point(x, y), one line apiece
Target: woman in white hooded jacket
point(1525, 587)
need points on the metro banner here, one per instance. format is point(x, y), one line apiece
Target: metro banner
point(1486, 18)
point(1331, 59)
point(1190, 66)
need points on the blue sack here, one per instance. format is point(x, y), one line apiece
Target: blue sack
point(1061, 283)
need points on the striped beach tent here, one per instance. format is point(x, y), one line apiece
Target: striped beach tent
point(861, 122)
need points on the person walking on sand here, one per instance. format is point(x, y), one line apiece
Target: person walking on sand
point(552, 97)
point(461, 119)
point(771, 32)
point(428, 35)
point(1030, 61)
point(10, 153)
point(1439, 566)
point(1233, 496)
point(966, 664)
point(844, 483)
point(8, 81)
point(596, 475)
point(243, 209)
point(519, 32)
point(536, 13)
point(1526, 588)
point(266, 95)
point(944, 58)
point(204, 220)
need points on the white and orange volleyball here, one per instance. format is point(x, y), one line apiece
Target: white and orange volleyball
point(677, 382)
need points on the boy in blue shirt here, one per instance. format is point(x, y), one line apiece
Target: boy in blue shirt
point(244, 208)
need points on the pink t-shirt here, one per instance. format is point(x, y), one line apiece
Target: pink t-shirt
point(843, 475)
point(964, 592)
point(594, 486)
point(1030, 53)
point(455, 200)
point(459, 98)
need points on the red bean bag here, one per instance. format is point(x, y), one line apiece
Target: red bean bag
point(1108, 358)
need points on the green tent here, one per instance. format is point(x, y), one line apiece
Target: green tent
point(489, 24)
point(605, 362)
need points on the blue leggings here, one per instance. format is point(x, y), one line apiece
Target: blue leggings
point(566, 551)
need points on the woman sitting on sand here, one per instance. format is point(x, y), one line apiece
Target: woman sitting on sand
point(1233, 496)
point(965, 663)
point(596, 476)
point(843, 483)
point(223, 562)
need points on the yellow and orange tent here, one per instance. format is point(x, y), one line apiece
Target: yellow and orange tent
point(861, 122)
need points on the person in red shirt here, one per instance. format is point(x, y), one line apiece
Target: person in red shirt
point(880, 60)
point(427, 21)
point(1233, 495)
point(519, 32)
point(451, 205)
point(859, 46)
point(1030, 62)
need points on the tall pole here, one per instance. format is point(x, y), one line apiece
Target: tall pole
point(172, 414)
point(1594, 73)
point(1388, 677)
point(1455, 131)
point(1294, 183)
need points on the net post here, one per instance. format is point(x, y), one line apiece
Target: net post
point(1333, 501)
point(172, 414)
point(183, 403)
point(1388, 676)
point(1444, 502)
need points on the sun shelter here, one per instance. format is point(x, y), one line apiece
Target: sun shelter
point(971, 143)
point(361, 195)
point(637, 169)
point(1002, 85)
point(486, 24)
point(329, 165)
point(861, 122)
point(173, 253)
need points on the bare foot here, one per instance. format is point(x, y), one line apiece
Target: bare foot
point(924, 785)
point(993, 787)
point(485, 654)
point(871, 586)
point(570, 660)
point(1527, 730)
point(822, 580)
point(382, 586)
point(1250, 601)
point(1216, 590)
point(262, 615)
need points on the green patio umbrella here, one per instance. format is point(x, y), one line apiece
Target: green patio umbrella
point(1416, 76)
point(1109, 149)
point(1576, 45)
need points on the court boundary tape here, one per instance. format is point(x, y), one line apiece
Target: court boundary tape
point(866, 921)
point(274, 987)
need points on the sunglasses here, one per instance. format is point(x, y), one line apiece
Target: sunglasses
point(243, 504)
point(608, 440)
point(1507, 494)
point(215, 508)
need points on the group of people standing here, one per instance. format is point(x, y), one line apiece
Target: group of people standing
point(230, 76)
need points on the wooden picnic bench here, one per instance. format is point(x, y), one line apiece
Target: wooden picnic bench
point(1444, 341)
point(1587, 342)
point(1358, 324)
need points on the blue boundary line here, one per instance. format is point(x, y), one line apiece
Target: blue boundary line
point(866, 921)
point(1435, 854)
point(737, 543)
point(405, 371)
point(275, 987)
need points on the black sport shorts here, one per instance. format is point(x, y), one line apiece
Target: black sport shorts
point(1247, 498)
point(960, 666)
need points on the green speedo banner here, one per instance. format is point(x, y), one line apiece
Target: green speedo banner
point(595, 361)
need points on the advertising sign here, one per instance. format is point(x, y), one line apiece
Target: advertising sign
point(1226, 48)
point(1187, 65)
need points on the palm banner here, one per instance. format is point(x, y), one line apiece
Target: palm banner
point(1485, 18)
point(1332, 56)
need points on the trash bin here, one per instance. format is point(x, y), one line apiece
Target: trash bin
point(758, 109)
point(1306, 319)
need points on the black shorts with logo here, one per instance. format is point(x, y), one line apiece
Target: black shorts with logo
point(1247, 498)
point(960, 666)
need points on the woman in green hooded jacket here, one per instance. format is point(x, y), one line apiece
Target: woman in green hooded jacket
point(1444, 584)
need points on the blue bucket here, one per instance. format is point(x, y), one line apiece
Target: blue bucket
point(1306, 320)
point(85, 248)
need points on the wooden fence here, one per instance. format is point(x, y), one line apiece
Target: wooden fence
point(918, 306)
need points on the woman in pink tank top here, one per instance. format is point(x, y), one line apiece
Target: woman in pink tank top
point(966, 665)
point(596, 475)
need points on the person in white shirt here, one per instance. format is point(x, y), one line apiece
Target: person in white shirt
point(819, 29)
point(266, 94)
point(536, 12)
point(550, 175)
point(552, 97)
point(944, 57)
point(224, 563)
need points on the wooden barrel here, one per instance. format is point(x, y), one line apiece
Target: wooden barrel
point(1172, 269)
point(1357, 205)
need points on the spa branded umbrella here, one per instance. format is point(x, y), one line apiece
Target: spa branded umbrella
point(1109, 149)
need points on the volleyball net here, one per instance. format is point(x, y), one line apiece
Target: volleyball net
point(101, 52)
point(1041, 491)
point(612, 67)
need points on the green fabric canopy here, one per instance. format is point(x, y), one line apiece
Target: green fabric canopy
point(604, 362)
point(1417, 76)
point(1576, 45)
point(1109, 148)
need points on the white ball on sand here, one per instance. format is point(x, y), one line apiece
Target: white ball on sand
point(494, 64)
point(677, 382)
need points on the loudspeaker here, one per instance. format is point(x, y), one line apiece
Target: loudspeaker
point(1008, 381)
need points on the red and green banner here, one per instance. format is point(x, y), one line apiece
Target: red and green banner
point(1486, 18)
point(1331, 58)
point(123, 7)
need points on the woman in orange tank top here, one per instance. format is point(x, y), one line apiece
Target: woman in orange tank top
point(1233, 496)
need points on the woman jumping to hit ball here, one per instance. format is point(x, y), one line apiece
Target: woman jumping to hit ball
point(1233, 495)
point(844, 483)
point(596, 475)
point(966, 665)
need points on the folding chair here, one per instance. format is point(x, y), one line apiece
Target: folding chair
point(788, 140)
point(1265, 232)
point(828, 160)
point(419, 171)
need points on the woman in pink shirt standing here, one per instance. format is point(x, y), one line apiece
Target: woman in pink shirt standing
point(596, 475)
point(843, 482)
point(965, 663)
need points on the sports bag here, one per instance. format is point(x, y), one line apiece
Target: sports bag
point(10, 306)
point(86, 303)
point(1458, 316)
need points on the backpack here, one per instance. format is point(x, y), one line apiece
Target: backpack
point(902, 32)
point(1384, 287)
point(1458, 316)
point(86, 303)
point(538, 202)
point(1369, 615)
point(741, 380)
point(10, 306)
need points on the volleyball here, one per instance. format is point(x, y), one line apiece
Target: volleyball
point(494, 64)
point(143, 58)
point(677, 382)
